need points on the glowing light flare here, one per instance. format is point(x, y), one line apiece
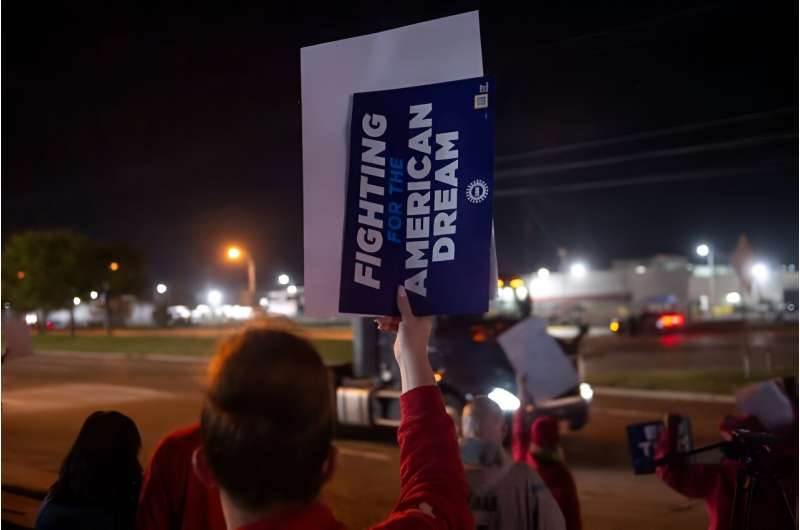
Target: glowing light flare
point(759, 272)
point(578, 270)
point(733, 298)
point(234, 253)
point(214, 297)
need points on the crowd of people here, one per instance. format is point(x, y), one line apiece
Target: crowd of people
point(262, 450)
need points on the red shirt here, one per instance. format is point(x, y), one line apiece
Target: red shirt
point(554, 473)
point(433, 490)
point(173, 497)
point(716, 485)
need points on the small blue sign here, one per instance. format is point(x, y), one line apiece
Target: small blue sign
point(419, 199)
point(642, 439)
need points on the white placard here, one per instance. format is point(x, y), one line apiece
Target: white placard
point(533, 352)
point(17, 341)
point(767, 402)
point(445, 49)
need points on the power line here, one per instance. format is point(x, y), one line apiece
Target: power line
point(643, 135)
point(646, 23)
point(647, 179)
point(645, 155)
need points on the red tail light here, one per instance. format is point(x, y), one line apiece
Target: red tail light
point(670, 321)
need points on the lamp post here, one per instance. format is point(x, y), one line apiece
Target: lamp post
point(236, 254)
point(705, 251)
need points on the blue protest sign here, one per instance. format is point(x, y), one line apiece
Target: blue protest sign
point(642, 438)
point(419, 199)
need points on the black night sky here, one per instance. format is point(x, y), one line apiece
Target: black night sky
point(179, 131)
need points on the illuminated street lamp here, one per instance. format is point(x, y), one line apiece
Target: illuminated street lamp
point(759, 272)
point(161, 288)
point(236, 254)
point(578, 270)
point(292, 290)
point(705, 251)
point(214, 297)
point(76, 301)
point(543, 272)
point(113, 266)
point(283, 279)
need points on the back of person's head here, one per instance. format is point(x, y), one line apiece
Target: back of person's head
point(483, 419)
point(267, 423)
point(544, 433)
point(103, 464)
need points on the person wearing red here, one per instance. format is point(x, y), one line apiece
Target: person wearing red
point(266, 431)
point(173, 497)
point(716, 483)
point(539, 446)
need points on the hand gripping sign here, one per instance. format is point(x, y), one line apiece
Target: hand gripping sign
point(435, 51)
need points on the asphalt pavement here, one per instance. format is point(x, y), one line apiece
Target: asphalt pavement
point(46, 398)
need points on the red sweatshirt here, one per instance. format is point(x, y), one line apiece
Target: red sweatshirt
point(554, 473)
point(433, 490)
point(716, 484)
point(173, 497)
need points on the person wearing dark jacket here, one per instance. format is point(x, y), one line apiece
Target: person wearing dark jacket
point(539, 446)
point(98, 483)
point(265, 438)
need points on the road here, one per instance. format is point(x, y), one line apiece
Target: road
point(46, 398)
point(770, 349)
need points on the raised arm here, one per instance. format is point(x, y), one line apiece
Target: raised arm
point(520, 428)
point(433, 489)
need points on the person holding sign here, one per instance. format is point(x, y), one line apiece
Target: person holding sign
point(267, 426)
point(539, 445)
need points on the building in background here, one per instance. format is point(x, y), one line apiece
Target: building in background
point(662, 283)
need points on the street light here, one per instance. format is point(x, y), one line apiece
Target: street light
point(760, 272)
point(283, 279)
point(705, 251)
point(578, 270)
point(214, 297)
point(113, 266)
point(93, 295)
point(161, 288)
point(76, 301)
point(235, 254)
point(543, 272)
point(292, 289)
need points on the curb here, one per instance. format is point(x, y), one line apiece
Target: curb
point(158, 357)
point(666, 395)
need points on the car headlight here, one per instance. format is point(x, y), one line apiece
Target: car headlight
point(586, 391)
point(504, 399)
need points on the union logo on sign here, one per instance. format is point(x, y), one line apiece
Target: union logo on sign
point(477, 191)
